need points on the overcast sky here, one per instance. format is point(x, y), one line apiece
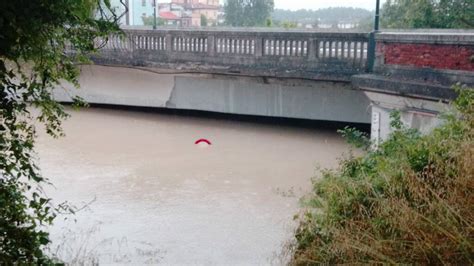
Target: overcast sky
point(316, 4)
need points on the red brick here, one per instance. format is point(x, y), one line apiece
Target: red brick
point(428, 55)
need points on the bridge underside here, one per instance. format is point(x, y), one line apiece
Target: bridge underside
point(271, 97)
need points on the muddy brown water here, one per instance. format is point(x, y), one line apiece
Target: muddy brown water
point(150, 195)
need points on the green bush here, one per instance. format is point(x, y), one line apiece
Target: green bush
point(410, 201)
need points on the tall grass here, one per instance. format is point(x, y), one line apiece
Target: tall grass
point(409, 202)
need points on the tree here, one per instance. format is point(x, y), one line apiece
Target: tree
point(34, 36)
point(203, 20)
point(428, 14)
point(331, 16)
point(248, 13)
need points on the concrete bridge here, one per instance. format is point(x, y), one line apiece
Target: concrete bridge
point(336, 76)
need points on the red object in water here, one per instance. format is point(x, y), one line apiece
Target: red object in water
point(203, 140)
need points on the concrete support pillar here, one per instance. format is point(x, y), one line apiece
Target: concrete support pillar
point(259, 47)
point(419, 114)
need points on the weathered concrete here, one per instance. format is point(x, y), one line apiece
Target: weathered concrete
point(415, 113)
point(414, 74)
point(316, 100)
point(294, 74)
point(270, 53)
point(322, 101)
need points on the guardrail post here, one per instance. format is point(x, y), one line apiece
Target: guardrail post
point(259, 47)
point(211, 47)
point(313, 49)
point(169, 43)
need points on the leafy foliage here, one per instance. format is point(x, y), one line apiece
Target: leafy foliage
point(409, 202)
point(34, 38)
point(248, 13)
point(428, 14)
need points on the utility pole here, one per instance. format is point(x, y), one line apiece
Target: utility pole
point(154, 14)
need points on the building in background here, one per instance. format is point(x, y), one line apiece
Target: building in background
point(185, 13)
point(194, 9)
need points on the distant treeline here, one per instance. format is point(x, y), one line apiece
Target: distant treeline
point(331, 16)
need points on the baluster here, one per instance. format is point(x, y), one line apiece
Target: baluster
point(271, 47)
point(291, 46)
point(324, 43)
point(283, 47)
point(294, 48)
point(362, 53)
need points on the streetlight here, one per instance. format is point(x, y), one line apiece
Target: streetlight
point(377, 16)
point(154, 14)
point(372, 43)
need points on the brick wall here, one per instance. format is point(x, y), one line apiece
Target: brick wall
point(437, 56)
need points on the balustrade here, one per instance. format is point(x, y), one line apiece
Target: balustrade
point(305, 49)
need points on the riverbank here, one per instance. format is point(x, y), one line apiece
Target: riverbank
point(409, 202)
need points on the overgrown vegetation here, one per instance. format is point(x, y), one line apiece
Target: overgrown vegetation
point(34, 38)
point(449, 14)
point(409, 202)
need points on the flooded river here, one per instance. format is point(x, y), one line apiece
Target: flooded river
point(150, 195)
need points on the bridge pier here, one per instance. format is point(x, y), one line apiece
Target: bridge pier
point(414, 73)
point(419, 114)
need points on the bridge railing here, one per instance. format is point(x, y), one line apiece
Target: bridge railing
point(343, 52)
